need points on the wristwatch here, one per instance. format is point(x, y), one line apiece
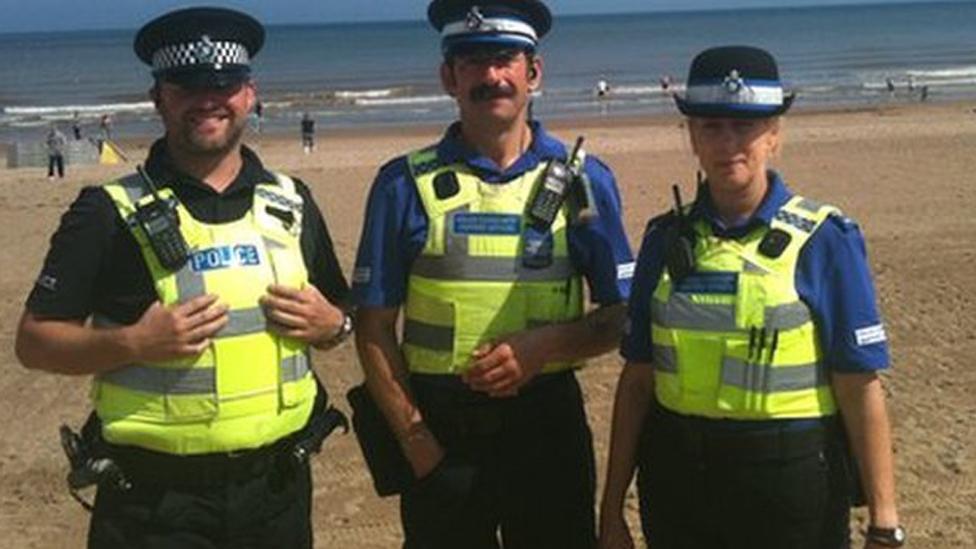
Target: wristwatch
point(345, 329)
point(887, 537)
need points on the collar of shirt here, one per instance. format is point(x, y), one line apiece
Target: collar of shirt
point(161, 167)
point(776, 195)
point(543, 148)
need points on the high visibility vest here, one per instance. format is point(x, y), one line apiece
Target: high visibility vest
point(472, 283)
point(733, 340)
point(250, 387)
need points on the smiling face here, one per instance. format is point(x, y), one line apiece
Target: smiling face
point(205, 121)
point(734, 152)
point(492, 85)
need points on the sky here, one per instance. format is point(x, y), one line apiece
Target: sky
point(61, 15)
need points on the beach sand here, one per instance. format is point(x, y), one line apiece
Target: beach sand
point(905, 173)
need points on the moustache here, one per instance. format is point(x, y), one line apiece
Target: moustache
point(487, 92)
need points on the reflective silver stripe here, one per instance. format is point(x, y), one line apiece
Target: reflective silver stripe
point(244, 322)
point(787, 316)
point(189, 284)
point(294, 368)
point(681, 312)
point(167, 381)
point(811, 206)
point(750, 267)
point(763, 378)
point(665, 359)
point(491, 269)
point(428, 336)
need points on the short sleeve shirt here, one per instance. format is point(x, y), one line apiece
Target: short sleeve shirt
point(395, 226)
point(95, 266)
point(832, 278)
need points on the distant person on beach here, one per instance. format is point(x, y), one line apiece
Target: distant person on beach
point(56, 143)
point(475, 243)
point(751, 389)
point(308, 133)
point(911, 83)
point(194, 292)
point(666, 83)
point(890, 85)
point(105, 124)
point(924, 93)
point(76, 126)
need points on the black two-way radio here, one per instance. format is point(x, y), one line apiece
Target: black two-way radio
point(161, 223)
point(679, 254)
point(558, 181)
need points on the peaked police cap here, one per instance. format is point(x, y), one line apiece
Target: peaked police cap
point(734, 82)
point(200, 47)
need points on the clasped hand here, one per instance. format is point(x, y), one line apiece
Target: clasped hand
point(502, 367)
point(186, 329)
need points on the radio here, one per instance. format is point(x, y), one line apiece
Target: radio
point(161, 224)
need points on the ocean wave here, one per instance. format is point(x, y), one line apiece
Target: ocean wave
point(55, 111)
point(395, 101)
point(367, 94)
point(953, 73)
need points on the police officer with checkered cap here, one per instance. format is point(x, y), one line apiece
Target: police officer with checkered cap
point(193, 291)
point(754, 331)
point(481, 393)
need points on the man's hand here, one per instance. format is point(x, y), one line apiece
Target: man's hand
point(303, 314)
point(178, 331)
point(501, 368)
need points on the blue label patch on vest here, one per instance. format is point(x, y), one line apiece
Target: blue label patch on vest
point(709, 283)
point(223, 257)
point(487, 223)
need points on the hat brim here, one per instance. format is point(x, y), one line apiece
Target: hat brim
point(730, 110)
point(206, 77)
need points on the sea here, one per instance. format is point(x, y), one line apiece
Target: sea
point(385, 74)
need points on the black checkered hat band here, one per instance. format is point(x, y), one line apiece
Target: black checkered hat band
point(214, 53)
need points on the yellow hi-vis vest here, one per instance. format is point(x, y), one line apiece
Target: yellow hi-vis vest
point(250, 387)
point(469, 284)
point(733, 340)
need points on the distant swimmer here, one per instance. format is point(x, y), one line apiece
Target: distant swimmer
point(602, 88)
point(924, 94)
point(665, 83)
point(890, 84)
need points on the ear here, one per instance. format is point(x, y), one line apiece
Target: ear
point(535, 73)
point(775, 137)
point(448, 82)
point(252, 94)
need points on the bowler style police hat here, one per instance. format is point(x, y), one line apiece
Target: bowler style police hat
point(473, 24)
point(200, 47)
point(734, 82)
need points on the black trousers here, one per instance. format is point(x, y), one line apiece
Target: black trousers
point(775, 489)
point(521, 467)
point(55, 162)
point(266, 504)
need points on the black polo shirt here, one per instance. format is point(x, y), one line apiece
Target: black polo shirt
point(95, 266)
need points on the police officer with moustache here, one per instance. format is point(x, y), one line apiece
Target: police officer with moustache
point(755, 340)
point(193, 292)
point(480, 392)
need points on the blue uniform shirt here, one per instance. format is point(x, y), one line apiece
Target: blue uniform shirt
point(832, 278)
point(395, 227)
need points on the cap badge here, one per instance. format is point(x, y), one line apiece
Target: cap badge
point(204, 50)
point(733, 83)
point(474, 20)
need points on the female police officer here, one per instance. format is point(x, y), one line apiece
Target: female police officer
point(754, 326)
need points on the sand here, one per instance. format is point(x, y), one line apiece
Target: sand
point(904, 173)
